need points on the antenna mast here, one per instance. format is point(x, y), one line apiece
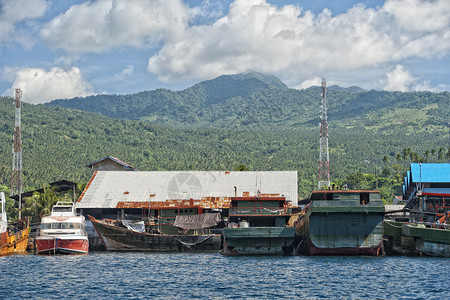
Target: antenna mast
point(17, 174)
point(324, 158)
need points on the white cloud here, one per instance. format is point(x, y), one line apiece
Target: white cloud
point(39, 85)
point(107, 24)
point(294, 44)
point(400, 79)
point(258, 36)
point(13, 12)
point(316, 81)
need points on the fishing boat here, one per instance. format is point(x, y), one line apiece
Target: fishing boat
point(170, 226)
point(62, 232)
point(341, 222)
point(259, 225)
point(14, 238)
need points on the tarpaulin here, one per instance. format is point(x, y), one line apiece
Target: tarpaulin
point(197, 221)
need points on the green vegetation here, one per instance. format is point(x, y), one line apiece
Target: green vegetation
point(232, 123)
point(258, 102)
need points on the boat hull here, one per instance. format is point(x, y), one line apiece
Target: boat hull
point(12, 243)
point(52, 245)
point(340, 233)
point(259, 241)
point(429, 241)
point(396, 242)
point(121, 239)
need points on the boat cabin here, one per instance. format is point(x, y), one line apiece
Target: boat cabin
point(259, 211)
point(63, 209)
point(160, 216)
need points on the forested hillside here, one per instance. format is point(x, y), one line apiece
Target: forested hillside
point(257, 101)
point(59, 142)
point(248, 121)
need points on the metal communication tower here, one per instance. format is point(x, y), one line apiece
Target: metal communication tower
point(324, 158)
point(17, 174)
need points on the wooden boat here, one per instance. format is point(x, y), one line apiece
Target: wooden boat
point(341, 222)
point(13, 239)
point(259, 226)
point(62, 232)
point(174, 230)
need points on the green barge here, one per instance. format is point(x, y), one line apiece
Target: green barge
point(341, 222)
point(259, 226)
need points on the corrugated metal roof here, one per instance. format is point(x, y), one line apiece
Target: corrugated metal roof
point(107, 188)
point(430, 172)
point(114, 160)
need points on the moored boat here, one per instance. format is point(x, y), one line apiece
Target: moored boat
point(341, 222)
point(170, 226)
point(62, 232)
point(13, 239)
point(428, 230)
point(259, 225)
point(395, 242)
point(429, 240)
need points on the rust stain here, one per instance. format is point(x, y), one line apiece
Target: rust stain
point(126, 193)
point(206, 202)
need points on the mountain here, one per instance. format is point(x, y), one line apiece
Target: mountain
point(257, 101)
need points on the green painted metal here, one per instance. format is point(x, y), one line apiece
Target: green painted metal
point(434, 235)
point(347, 206)
point(259, 240)
point(340, 230)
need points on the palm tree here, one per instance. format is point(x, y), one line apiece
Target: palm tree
point(40, 204)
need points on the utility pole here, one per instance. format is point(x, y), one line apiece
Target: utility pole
point(17, 174)
point(324, 158)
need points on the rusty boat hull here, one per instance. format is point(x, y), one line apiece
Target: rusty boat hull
point(115, 238)
point(14, 243)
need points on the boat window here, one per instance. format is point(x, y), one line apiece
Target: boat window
point(56, 225)
point(46, 226)
point(363, 198)
point(346, 196)
point(62, 209)
point(70, 226)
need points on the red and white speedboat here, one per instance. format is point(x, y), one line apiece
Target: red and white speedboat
point(62, 232)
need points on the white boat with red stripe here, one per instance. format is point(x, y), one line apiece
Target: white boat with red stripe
point(62, 232)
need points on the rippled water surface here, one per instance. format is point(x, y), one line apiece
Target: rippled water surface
point(212, 276)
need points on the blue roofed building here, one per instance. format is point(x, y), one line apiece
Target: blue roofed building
point(428, 178)
point(427, 191)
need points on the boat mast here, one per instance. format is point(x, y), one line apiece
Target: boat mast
point(17, 174)
point(324, 158)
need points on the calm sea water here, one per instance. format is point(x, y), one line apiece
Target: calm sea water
point(212, 276)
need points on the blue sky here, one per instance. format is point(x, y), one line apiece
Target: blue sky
point(64, 49)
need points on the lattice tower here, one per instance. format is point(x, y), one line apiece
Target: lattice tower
point(17, 174)
point(324, 158)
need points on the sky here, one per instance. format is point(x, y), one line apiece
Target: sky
point(55, 49)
